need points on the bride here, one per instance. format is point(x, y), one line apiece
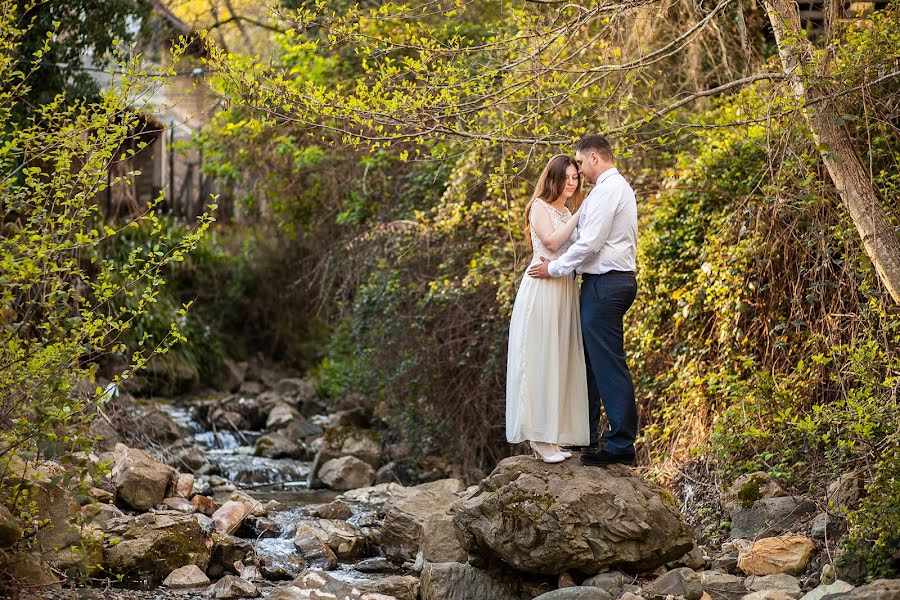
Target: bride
point(549, 408)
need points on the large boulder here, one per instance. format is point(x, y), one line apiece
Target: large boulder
point(456, 581)
point(770, 516)
point(880, 589)
point(344, 539)
point(554, 518)
point(785, 554)
point(152, 545)
point(405, 521)
point(161, 427)
point(401, 587)
point(364, 444)
point(748, 488)
point(141, 481)
point(346, 473)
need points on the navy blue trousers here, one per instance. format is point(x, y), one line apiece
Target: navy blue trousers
point(604, 301)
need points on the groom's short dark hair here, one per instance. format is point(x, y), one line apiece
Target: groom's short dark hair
point(597, 143)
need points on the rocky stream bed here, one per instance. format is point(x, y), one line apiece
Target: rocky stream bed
point(262, 492)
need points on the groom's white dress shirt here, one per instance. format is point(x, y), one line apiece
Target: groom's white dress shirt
point(607, 230)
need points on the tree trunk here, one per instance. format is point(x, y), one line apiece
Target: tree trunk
point(844, 166)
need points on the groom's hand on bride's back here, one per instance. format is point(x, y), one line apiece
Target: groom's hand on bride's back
point(540, 271)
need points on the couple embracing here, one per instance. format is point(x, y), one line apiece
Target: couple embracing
point(566, 346)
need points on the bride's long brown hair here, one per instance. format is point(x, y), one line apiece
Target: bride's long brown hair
point(551, 184)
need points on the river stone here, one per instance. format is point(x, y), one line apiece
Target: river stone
point(768, 595)
point(276, 445)
point(229, 551)
point(344, 539)
point(10, 531)
point(612, 582)
point(152, 545)
point(184, 485)
point(748, 488)
point(404, 522)
point(401, 587)
point(229, 517)
point(315, 552)
point(282, 415)
point(553, 518)
point(316, 585)
point(722, 586)
point(576, 593)
point(346, 473)
point(141, 481)
point(376, 495)
point(438, 540)
point(785, 554)
point(179, 504)
point(456, 581)
point(779, 581)
point(337, 509)
point(677, 582)
point(232, 586)
point(161, 427)
point(204, 505)
point(376, 564)
point(100, 513)
point(880, 589)
point(189, 576)
point(770, 516)
point(838, 587)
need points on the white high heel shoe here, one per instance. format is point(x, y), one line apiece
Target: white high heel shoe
point(565, 453)
point(546, 452)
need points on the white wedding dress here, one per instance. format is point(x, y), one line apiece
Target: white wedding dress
point(546, 385)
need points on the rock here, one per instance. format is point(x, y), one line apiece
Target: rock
point(377, 564)
point(103, 496)
point(633, 596)
point(693, 559)
point(282, 567)
point(282, 415)
point(845, 493)
point(678, 582)
point(141, 481)
point(438, 540)
point(721, 586)
point(159, 426)
point(322, 586)
point(344, 539)
point(106, 436)
point(401, 587)
point(785, 554)
point(748, 488)
point(204, 505)
point(315, 552)
point(880, 589)
point(553, 518)
point(10, 530)
point(346, 473)
point(770, 516)
point(455, 581)
point(189, 576)
point(404, 521)
point(231, 586)
point(179, 504)
point(232, 375)
point(192, 459)
point(565, 580)
point(337, 509)
point(387, 473)
point(277, 445)
point(259, 527)
point(229, 517)
point(295, 388)
point(100, 513)
point(184, 485)
point(838, 587)
point(376, 495)
point(251, 388)
point(576, 593)
point(768, 595)
point(611, 581)
point(229, 554)
point(780, 581)
point(29, 570)
point(363, 444)
point(152, 545)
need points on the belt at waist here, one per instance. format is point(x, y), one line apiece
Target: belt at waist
point(613, 272)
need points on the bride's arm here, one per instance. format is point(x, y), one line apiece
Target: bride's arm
point(543, 227)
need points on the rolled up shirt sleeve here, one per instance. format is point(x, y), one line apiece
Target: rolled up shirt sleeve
point(593, 230)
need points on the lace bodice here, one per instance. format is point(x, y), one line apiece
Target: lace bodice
point(558, 218)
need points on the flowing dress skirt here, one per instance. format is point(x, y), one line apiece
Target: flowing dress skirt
point(546, 384)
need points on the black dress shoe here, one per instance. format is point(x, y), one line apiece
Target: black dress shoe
point(580, 448)
point(598, 459)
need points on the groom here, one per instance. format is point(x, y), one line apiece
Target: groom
point(604, 254)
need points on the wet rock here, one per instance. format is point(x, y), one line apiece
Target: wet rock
point(748, 488)
point(229, 420)
point(191, 458)
point(576, 593)
point(401, 587)
point(179, 504)
point(770, 516)
point(184, 485)
point(276, 445)
point(100, 513)
point(322, 586)
point(405, 516)
point(152, 545)
point(721, 586)
point(364, 445)
point(845, 493)
point(376, 495)
point(232, 586)
point(259, 527)
point(337, 509)
point(204, 505)
point(281, 568)
point(160, 427)
point(611, 581)
point(10, 530)
point(785, 554)
point(141, 481)
point(880, 589)
point(678, 582)
point(456, 581)
point(838, 587)
point(186, 577)
point(377, 564)
point(282, 415)
point(553, 518)
point(315, 552)
point(228, 550)
point(229, 517)
point(780, 581)
point(344, 539)
point(346, 473)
